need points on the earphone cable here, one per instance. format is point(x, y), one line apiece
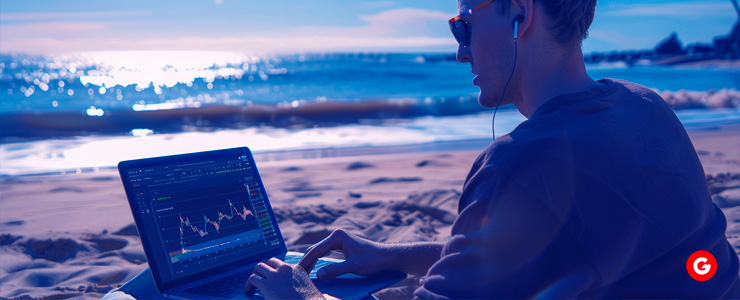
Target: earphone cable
point(505, 87)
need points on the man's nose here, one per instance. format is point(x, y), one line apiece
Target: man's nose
point(463, 54)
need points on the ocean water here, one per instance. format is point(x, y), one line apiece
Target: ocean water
point(162, 80)
point(151, 80)
point(82, 112)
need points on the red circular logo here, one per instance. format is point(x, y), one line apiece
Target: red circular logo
point(701, 265)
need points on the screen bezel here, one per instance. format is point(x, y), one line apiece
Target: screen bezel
point(162, 286)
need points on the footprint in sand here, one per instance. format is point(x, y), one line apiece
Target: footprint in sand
point(432, 163)
point(359, 165)
point(291, 169)
point(397, 179)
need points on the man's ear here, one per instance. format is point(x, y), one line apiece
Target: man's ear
point(523, 11)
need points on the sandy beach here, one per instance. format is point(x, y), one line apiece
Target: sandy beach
point(72, 236)
point(365, 116)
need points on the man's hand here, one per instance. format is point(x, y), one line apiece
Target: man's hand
point(277, 279)
point(363, 257)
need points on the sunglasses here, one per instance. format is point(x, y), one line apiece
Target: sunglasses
point(461, 29)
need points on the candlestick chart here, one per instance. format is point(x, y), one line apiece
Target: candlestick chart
point(200, 223)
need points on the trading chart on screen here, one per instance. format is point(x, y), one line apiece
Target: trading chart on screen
point(206, 213)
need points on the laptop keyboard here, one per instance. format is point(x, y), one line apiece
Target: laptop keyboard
point(233, 285)
point(226, 287)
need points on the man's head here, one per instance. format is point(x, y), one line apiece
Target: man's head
point(567, 20)
point(548, 30)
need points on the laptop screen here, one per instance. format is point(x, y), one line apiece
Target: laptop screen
point(201, 214)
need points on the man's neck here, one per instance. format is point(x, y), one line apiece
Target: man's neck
point(551, 77)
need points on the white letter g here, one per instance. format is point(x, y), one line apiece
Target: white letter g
point(704, 268)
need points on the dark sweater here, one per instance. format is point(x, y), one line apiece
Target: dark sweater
point(599, 194)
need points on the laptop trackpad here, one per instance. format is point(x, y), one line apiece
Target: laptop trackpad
point(358, 287)
point(349, 286)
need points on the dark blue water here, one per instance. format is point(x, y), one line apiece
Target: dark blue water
point(162, 80)
point(75, 83)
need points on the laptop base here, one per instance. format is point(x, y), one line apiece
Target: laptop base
point(142, 287)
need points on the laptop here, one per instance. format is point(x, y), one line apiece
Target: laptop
point(205, 222)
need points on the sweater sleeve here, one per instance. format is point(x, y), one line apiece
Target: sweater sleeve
point(493, 252)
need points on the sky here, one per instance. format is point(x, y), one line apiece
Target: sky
point(293, 26)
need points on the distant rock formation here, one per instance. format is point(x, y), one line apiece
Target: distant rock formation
point(668, 52)
point(669, 46)
point(728, 47)
point(671, 52)
point(700, 49)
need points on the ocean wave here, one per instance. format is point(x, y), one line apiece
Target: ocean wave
point(683, 99)
point(182, 115)
point(93, 151)
point(81, 153)
point(171, 118)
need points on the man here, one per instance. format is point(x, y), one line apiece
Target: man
point(599, 194)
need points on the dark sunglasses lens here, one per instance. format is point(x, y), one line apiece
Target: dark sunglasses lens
point(460, 31)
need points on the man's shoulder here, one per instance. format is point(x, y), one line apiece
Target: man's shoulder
point(609, 94)
point(629, 85)
point(577, 130)
point(512, 150)
point(634, 88)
